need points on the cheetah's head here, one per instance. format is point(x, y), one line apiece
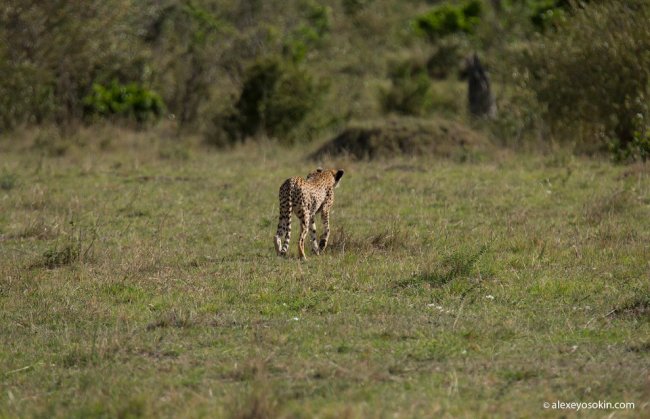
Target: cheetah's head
point(314, 173)
point(336, 175)
point(331, 175)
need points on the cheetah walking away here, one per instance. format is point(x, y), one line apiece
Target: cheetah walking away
point(306, 198)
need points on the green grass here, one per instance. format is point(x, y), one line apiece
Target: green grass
point(139, 282)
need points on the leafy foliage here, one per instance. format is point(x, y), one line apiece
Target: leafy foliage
point(447, 19)
point(545, 13)
point(7, 181)
point(446, 57)
point(310, 34)
point(276, 97)
point(51, 53)
point(639, 145)
point(185, 40)
point(410, 91)
point(199, 55)
point(130, 101)
point(592, 75)
point(352, 7)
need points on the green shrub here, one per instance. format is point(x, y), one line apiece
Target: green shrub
point(518, 121)
point(309, 34)
point(545, 13)
point(592, 75)
point(410, 91)
point(130, 101)
point(31, 85)
point(8, 181)
point(352, 7)
point(51, 51)
point(447, 19)
point(639, 146)
point(188, 40)
point(276, 97)
point(319, 17)
point(446, 57)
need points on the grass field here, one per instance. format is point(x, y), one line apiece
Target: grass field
point(141, 281)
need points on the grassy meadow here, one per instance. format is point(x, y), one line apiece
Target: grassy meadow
point(138, 279)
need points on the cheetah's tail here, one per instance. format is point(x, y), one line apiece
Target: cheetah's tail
point(284, 223)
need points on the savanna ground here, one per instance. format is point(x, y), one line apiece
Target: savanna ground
point(140, 279)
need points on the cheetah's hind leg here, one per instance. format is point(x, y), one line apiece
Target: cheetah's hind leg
point(304, 226)
point(278, 244)
point(312, 231)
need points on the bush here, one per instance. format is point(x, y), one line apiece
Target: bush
point(130, 101)
point(592, 75)
point(547, 13)
point(518, 121)
point(447, 57)
point(352, 7)
point(52, 51)
point(639, 146)
point(310, 34)
point(276, 97)
point(446, 19)
point(7, 181)
point(187, 40)
point(410, 91)
point(24, 81)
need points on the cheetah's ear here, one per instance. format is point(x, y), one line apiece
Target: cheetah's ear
point(318, 170)
point(339, 175)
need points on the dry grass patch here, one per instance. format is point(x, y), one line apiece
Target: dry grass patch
point(637, 307)
point(393, 238)
point(458, 264)
point(177, 319)
point(260, 404)
point(601, 207)
point(39, 228)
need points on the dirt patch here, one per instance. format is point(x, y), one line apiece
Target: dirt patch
point(406, 136)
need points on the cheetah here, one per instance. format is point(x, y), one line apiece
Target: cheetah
point(307, 197)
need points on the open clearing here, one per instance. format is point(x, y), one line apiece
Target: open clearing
point(143, 282)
